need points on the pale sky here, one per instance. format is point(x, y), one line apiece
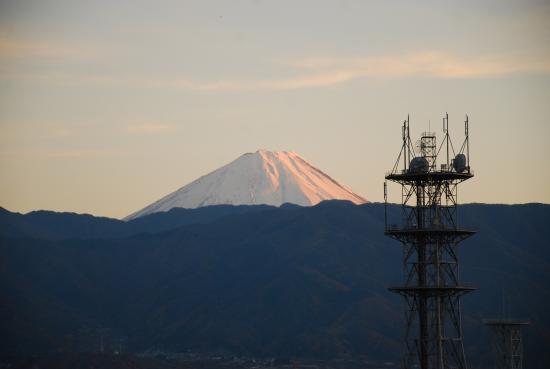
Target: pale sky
point(105, 106)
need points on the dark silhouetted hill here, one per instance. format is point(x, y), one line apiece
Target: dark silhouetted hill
point(288, 281)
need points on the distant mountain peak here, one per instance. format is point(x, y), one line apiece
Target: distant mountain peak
point(262, 177)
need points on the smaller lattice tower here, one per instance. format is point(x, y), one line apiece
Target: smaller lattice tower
point(429, 175)
point(507, 342)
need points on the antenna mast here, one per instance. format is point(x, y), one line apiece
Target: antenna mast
point(429, 234)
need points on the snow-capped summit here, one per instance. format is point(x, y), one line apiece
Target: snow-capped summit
point(263, 177)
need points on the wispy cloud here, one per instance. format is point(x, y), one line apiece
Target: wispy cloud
point(62, 133)
point(429, 64)
point(319, 72)
point(302, 73)
point(86, 153)
point(76, 153)
point(14, 47)
point(148, 128)
point(302, 81)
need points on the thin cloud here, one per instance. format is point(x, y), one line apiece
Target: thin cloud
point(319, 72)
point(305, 73)
point(62, 133)
point(312, 80)
point(64, 153)
point(86, 153)
point(428, 64)
point(12, 47)
point(149, 128)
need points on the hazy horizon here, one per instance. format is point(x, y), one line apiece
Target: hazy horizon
point(106, 107)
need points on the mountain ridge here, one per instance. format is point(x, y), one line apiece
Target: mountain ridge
point(291, 281)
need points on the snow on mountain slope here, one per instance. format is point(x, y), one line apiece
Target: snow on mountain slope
point(263, 177)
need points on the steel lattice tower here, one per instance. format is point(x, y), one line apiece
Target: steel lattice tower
point(430, 233)
point(508, 343)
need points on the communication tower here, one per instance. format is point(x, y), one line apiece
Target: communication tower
point(507, 342)
point(429, 176)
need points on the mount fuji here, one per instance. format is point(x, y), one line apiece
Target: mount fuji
point(262, 177)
